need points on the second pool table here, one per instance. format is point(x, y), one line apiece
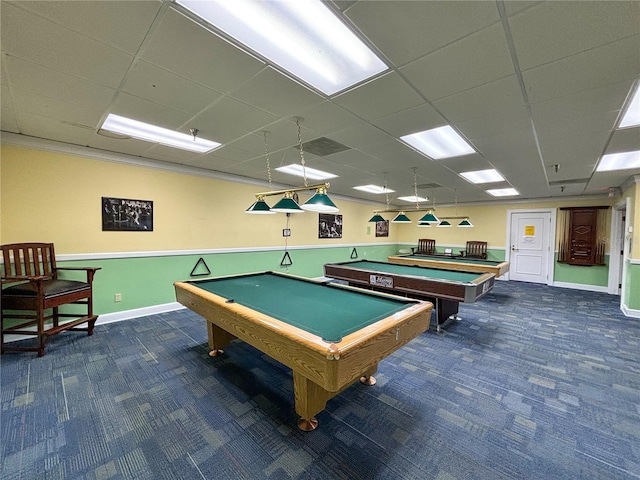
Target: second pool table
point(444, 288)
point(329, 335)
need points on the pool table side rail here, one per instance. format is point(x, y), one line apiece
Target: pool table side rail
point(415, 286)
point(498, 270)
point(304, 352)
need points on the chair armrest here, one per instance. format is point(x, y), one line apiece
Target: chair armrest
point(90, 271)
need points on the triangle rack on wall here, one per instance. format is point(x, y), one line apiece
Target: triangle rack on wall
point(354, 253)
point(286, 260)
point(200, 263)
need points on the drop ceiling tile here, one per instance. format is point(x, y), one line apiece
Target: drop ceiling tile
point(555, 30)
point(593, 105)
point(496, 123)
point(417, 28)
point(229, 119)
point(149, 112)
point(411, 120)
point(120, 24)
point(391, 94)
point(455, 68)
point(326, 118)
point(7, 112)
point(58, 110)
point(481, 101)
point(616, 62)
point(38, 126)
point(161, 86)
point(45, 43)
point(178, 41)
point(276, 93)
point(27, 78)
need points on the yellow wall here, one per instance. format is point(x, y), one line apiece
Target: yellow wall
point(47, 196)
point(53, 197)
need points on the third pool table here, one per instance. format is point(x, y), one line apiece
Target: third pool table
point(465, 264)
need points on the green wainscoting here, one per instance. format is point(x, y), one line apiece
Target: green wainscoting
point(596, 275)
point(632, 291)
point(148, 281)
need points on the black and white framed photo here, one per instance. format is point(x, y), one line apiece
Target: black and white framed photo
point(382, 228)
point(125, 215)
point(329, 225)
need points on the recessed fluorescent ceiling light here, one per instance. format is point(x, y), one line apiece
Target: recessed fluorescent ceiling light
point(310, 173)
point(373, 189)
point(483, 176)
point(413, 199)
point(619, 161)
point(503, 192)
point(304, 38)
point(152, 133)
point(438, 143)
point(631, 117)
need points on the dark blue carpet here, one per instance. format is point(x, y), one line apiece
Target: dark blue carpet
point(534, 383)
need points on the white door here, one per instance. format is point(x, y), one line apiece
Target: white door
point(530, 247)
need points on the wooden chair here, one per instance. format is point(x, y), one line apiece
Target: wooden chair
point(32, 294)
point(426, 246)
point(476, 249)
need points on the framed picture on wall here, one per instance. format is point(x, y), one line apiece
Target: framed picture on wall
point(382, 228)
point(124, 215)
point(329, 225)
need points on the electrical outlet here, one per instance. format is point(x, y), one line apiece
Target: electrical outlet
point(117, 297)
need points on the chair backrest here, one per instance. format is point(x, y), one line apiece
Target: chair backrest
point(28, 259)
point(426, 245)
point(476, 249)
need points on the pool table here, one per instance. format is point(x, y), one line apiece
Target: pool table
point(444, 288)
point(465, 264)
point(328, 334)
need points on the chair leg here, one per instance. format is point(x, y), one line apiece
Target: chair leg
point(41, 336)
point(1, 331)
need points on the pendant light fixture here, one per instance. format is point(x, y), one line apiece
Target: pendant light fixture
point(319, 201)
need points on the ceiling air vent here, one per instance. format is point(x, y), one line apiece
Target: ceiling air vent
point(323, 147)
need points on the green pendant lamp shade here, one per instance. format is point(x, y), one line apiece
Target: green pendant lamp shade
point(444, 223)
point(259, 207)
point(287, 205)
point(320, 202)
point(465, 223)
point(401, 218)
point(377, 218)
point(423, 224)
point(430, 217)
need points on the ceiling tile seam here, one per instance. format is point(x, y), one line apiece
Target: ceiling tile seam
point(516, 65)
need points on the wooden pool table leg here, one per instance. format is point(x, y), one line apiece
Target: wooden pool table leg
point(367, 377)
point(218, 338)
point(310, 399)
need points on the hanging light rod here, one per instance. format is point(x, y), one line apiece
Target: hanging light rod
point(292, 190)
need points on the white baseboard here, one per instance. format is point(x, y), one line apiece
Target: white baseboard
point(138, 312)
point(630, 312)
point(581, 286)
point(114, 317)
